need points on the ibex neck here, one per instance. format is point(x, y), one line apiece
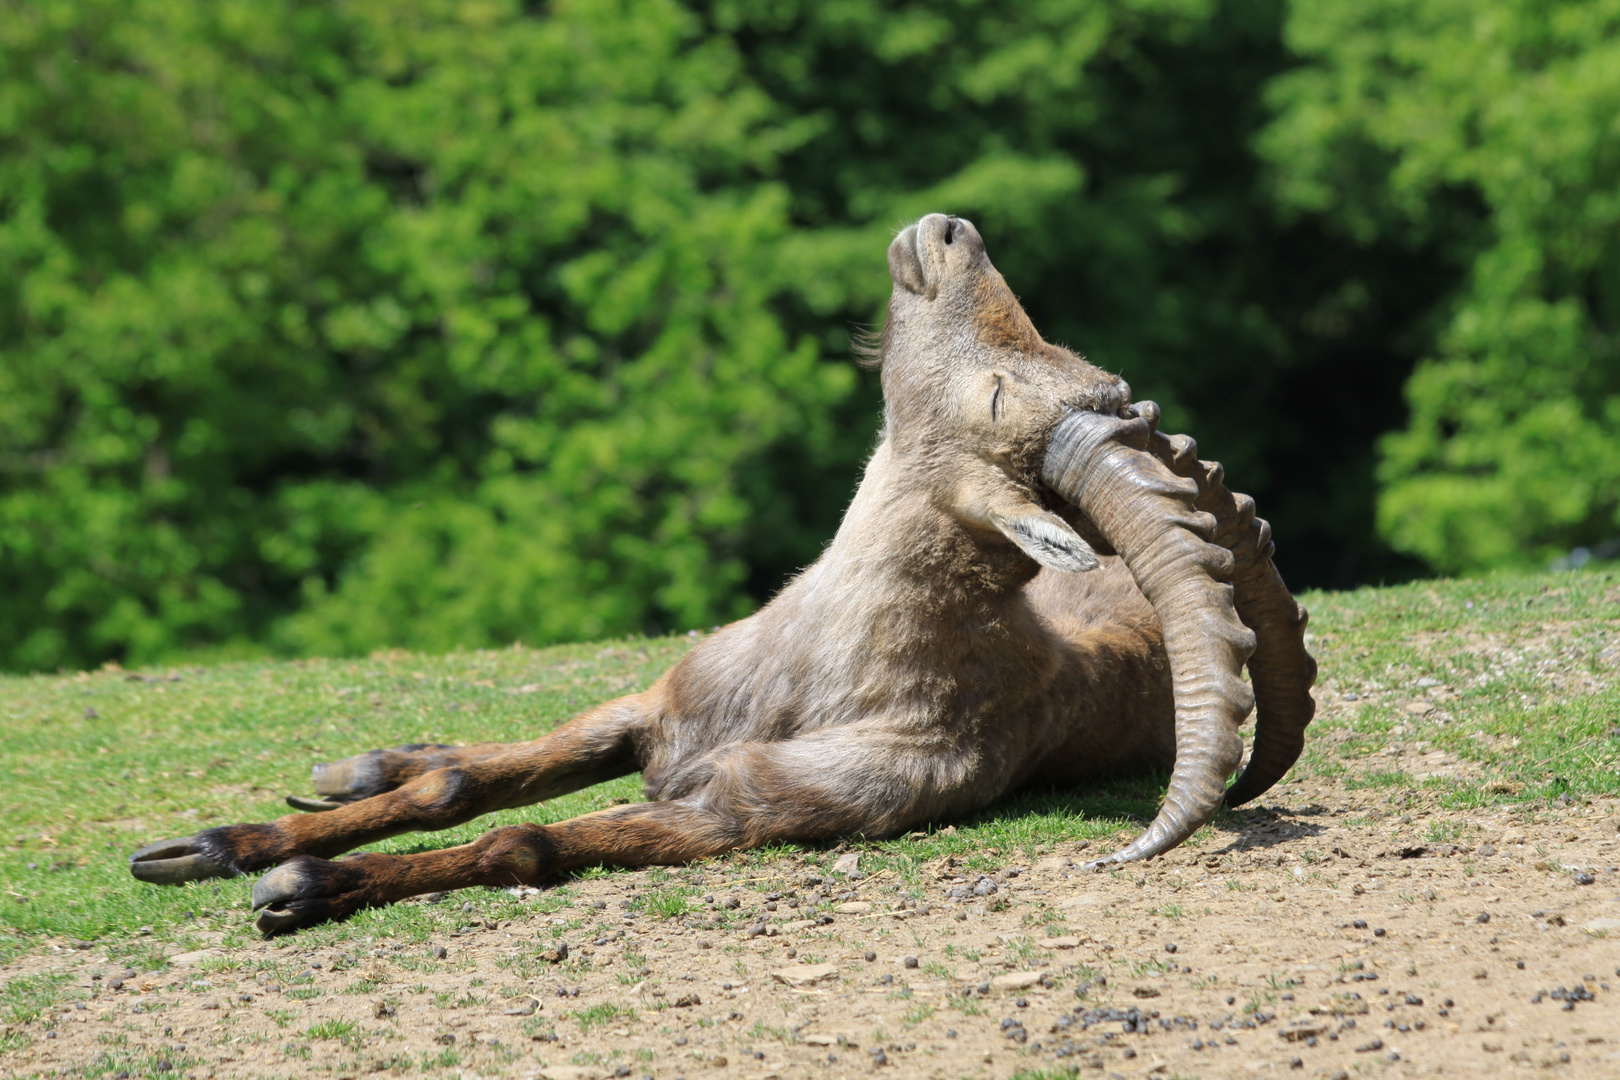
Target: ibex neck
point(896, 541)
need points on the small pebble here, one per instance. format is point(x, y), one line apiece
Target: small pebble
point(910, 961)
point(1170, 947)
point(440, 952)
point(1584, 879)
point(870, 956)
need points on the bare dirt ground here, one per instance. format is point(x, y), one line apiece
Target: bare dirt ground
point(1321, 935)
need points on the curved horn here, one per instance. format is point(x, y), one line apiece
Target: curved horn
point(1099, 464)
point(1281, 670)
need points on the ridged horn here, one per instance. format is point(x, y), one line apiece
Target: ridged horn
point(1101, 465)
point(1281, 670)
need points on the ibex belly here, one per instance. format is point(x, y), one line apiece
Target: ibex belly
point(1113, 697)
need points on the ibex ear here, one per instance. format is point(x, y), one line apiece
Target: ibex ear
point(1047, 539)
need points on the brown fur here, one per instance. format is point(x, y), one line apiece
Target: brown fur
point(922, 667)
point(999, 320)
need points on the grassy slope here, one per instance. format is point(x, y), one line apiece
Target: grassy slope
point(98, 764)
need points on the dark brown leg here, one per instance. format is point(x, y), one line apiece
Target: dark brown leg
point(833, 782)
point(306, 890)
point(595, 747)
point(376, 771)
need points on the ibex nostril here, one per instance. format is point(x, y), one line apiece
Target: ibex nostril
point(950, 229)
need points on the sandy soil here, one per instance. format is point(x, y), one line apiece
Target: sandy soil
point(1322, 935)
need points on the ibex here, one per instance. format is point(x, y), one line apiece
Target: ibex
point(1032, 586)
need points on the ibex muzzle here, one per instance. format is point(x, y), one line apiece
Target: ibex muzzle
point(1031, 586)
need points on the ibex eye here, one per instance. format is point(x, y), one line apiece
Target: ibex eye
point(950, 229)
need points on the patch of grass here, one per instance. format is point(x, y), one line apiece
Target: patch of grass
point(918, 1014)
point(605, 1013)
point(139, 1064)
point(1384, 778)
point(444, 1059)
point(331, 1029)
point(667, 901)
point(24, 998)
point(1522, 671)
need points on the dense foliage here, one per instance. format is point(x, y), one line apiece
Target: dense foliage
point(1412, 111)
point(325, 327)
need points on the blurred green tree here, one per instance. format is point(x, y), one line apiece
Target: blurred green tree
point(1106, 150)
point(452, 322)
point(423, 323)
point(1411, 113)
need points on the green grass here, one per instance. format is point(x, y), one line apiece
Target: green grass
point(23, 999)
point(97, 764)
point(1531, 661)
point(331, 1029)
point(605, 1013)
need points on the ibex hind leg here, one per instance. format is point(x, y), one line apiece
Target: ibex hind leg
point(833, 783)
point(351, 779)
point(307, 891)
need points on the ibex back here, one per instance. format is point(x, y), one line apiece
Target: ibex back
point(1032, 585)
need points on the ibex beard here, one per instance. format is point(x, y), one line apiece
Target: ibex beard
point(1032, 586)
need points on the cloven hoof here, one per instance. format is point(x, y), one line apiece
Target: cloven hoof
point(175, 862)
point(312, 806)
point(288, 899)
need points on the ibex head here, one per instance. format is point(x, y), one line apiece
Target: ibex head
point(1005, 425)
point(971, 388)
